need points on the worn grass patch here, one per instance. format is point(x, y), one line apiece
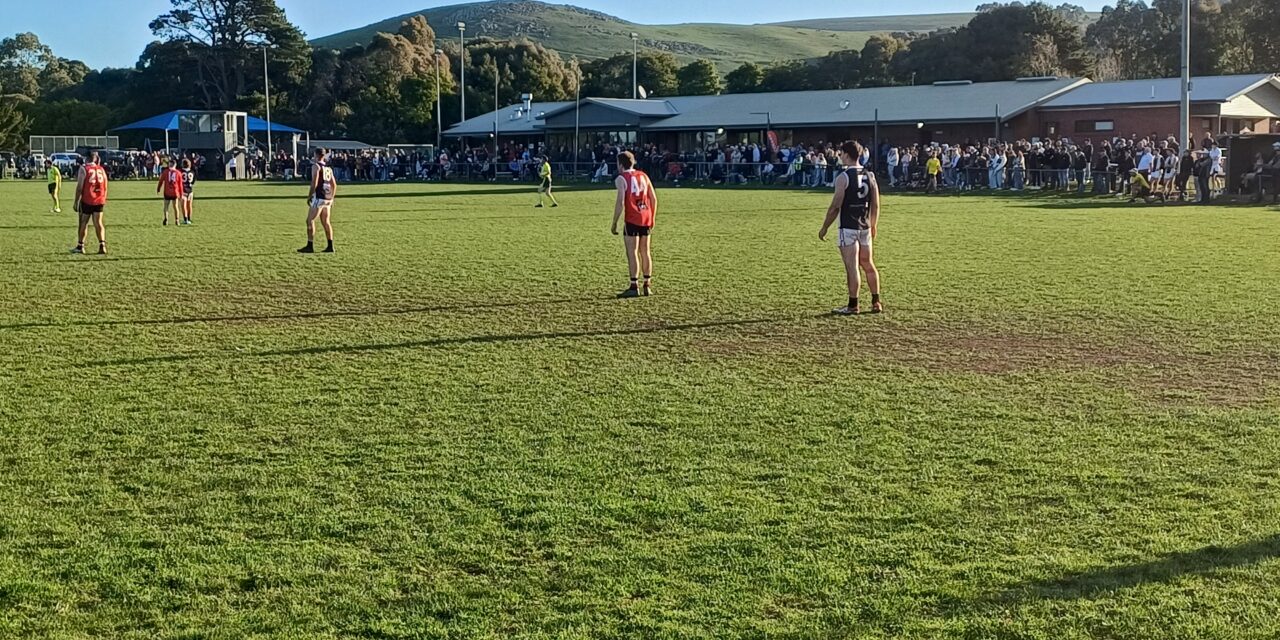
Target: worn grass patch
point(1065, 426)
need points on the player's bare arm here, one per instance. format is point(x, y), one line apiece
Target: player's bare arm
point(837, 201)
point(75, 205)
point(873, 203)
point(620, 203)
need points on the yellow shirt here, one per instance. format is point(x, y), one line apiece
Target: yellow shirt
point(54, 176)
point(933, 166)
point(544, 171)
point(1140, 181)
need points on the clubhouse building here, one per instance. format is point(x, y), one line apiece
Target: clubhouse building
point(945, 112)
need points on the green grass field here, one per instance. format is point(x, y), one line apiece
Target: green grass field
point(1065, 426)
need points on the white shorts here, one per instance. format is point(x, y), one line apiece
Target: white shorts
point(851, 237)
point(317, 203)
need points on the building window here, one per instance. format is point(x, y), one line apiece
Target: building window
point(1094, 126)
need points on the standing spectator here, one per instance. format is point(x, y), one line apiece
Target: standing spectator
point(1079, 165)
point(995, 170)
point(1203, 171)
point(933, 170)
point(1101, 164)
point(892, 163)
point(1019, 170)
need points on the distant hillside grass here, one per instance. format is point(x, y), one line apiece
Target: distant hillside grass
point(881, 24)
point(589, 34)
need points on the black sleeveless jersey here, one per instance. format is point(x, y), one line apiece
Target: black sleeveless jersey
point(324, 190)
point(857, 199)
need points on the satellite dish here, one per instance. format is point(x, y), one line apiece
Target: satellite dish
point(644, 95)
point(844, 104)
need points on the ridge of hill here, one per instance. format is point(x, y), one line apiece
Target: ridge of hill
point(587, 34)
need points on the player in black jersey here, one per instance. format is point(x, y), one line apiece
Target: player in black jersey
point(188, 190)
point(324, 187)
point(857, 205)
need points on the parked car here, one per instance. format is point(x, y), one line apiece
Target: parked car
point(67, 162)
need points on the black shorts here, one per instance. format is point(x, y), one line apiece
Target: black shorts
point(546, 184)
point(168, 199)
point(636, 231)
point(52, 188)
point(90, 209)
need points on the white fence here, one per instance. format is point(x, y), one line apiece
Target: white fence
point(68, 144)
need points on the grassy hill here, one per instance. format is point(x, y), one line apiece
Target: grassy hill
point(881, 24)
point(591, 34)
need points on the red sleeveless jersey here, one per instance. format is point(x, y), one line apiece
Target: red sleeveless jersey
point(172, 181)
point(638, 200)
point(94, 192)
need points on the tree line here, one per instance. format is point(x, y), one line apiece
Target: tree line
point(208, 54)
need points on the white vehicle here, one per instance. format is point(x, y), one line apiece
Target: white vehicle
point(38, 158)
point(66, 162)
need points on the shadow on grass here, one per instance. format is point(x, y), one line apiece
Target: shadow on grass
point(301, 194)
point(1104, 580)
point(91, 257)
point(292, 316)
point(437, 342)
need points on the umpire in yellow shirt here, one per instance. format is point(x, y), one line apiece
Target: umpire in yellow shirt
point(544, 172)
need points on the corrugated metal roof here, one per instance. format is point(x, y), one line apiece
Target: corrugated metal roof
point(508, 122)
point(647, 108)
point(922, 103)
point(1158, 91)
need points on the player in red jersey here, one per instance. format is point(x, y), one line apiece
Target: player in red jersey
point(637, 199)
point(172, 184)
point(91, 200)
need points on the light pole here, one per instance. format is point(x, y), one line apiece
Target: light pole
point(266, 80)
point(635, 63)
point(577, 114)
point(462, 64)
point(439, 103)
point(1184, 106)
point(496, 74)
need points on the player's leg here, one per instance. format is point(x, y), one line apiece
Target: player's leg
point(552, 196)
point(849, 255)
point(325, 212)
point(542, 188)
point(187, 204)
point(312, 214)
point(868, 265)
point(632, 243)
point(83, 231)
point(100, 231)
point(646, 263)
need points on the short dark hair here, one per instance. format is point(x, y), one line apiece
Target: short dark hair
point(851, 148)
point(319, 152)
point(626, 160)
point(93, 157)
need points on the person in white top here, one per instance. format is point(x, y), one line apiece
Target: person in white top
point(1145, 159)
point(892, 162)
point(1217, 173)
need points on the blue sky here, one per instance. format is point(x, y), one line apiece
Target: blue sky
point(114, 32)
